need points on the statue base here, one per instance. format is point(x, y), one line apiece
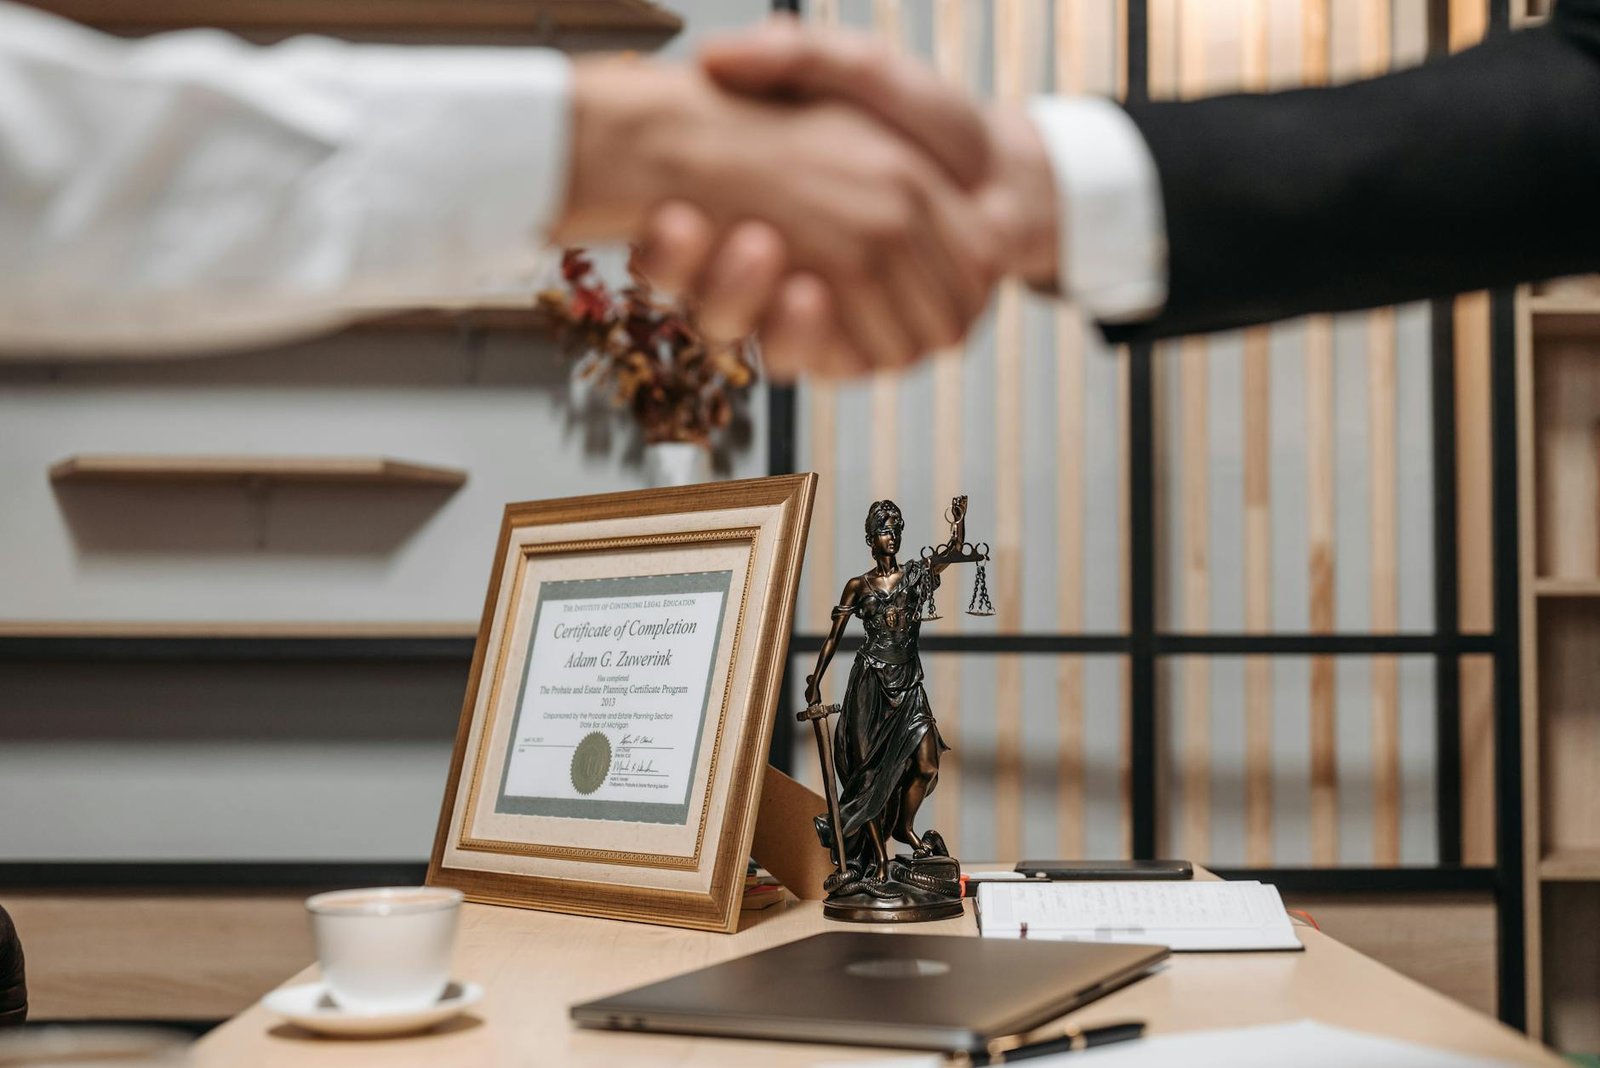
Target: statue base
point(914, 890)
point(874, 911)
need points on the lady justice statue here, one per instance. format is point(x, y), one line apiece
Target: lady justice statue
point(885, 749)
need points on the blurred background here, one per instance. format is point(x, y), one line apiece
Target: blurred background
point(1309, 603)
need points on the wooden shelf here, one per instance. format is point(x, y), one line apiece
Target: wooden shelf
point(487, 20)
point(375, 630)
point(1564, 304)
point(1558, 315)
point(33, 642)
point(1566, 587)
point(514, 319)
point(520, 320)
point(1570, 865)
point(253, 470)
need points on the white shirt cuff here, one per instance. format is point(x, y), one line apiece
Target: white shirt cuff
point(1113, 238)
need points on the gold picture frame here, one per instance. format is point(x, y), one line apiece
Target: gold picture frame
point(669, 608)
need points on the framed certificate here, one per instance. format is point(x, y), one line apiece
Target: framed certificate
point(611, 747)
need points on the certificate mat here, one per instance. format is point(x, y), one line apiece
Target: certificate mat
point(612, 705)
point(614, 734)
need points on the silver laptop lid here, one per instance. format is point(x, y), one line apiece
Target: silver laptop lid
point(944, 992)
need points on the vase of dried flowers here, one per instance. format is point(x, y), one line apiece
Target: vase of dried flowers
point(676, 463)
point(682, 391)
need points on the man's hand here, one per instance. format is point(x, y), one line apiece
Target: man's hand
point(886, 256)
point(999, 155)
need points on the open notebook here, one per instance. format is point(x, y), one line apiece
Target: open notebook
point(1185, 916)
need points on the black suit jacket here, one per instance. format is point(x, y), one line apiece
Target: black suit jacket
point(1477, 170)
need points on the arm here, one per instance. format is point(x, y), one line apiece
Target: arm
point(189, 190)
point(841, 620)
point(958, 533)
point(1478, 170)
point(1177, 217)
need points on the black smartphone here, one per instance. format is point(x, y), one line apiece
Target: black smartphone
point(1106, 869)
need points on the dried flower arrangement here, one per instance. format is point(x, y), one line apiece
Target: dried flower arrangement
point(677, 385)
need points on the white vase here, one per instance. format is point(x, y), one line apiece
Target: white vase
point(676, 463)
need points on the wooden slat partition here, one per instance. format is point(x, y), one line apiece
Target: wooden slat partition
point(1125, 560)
point(1476, 572)
point(1070, 62)
point(1257, 373)
point(822, 456)
point(1315, 44)
point(1195, 47)
point(1124, 520)
point(949, 45)
point(1469, 22)
point(1194, 759)
point(1011, 44)
point(886, 384)
point(1375, 52)
point(1162, 53)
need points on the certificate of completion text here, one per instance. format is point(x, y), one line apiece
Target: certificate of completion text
point(614, 695)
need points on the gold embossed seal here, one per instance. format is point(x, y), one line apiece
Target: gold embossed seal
point(591, 760)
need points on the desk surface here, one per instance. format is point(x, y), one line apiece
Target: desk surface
point(534, 965)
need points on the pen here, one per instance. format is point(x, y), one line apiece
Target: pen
point(1071, 1039)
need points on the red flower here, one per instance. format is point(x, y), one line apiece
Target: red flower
point(575, 264)
point(590, 305)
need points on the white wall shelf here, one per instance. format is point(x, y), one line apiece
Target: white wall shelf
point(481, 19)
point(254, 470)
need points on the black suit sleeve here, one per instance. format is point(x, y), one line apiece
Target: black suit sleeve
point(1477, 170)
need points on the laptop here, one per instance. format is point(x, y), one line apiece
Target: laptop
point(865, 988)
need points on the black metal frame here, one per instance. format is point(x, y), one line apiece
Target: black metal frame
point(1144, 646)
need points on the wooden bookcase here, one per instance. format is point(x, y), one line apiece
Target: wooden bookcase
point(1558, 404)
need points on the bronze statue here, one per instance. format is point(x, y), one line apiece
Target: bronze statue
point(885, 749)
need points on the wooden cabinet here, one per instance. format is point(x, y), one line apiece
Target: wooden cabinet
point(1559, 452)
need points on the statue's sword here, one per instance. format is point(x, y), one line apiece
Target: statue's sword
point(818, 715)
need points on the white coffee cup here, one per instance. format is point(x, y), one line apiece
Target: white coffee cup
point(385, 949)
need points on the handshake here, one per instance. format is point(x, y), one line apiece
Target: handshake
point(842, 202)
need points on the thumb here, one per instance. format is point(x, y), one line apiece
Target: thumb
point(783, 58)
point(767, 60)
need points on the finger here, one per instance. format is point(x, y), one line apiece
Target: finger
point(874, 335)
point(740, 283)
point(675, 246)
point(798, 334)
point(938, 270)
point(808, 326)
point(899, 91)
point(958, 249)
point(924, 307)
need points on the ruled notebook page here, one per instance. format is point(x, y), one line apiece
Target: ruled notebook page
point(1185, 916)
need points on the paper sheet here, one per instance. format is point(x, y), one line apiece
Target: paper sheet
point(1187, 916)
point(1303, 1044)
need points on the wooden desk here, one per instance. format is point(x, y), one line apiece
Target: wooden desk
point(537, 964)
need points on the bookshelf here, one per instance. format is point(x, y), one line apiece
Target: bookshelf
point(1558, 405)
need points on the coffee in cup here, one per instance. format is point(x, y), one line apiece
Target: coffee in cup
point(386, 949)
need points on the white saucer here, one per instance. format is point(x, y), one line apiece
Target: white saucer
point(310, 1006)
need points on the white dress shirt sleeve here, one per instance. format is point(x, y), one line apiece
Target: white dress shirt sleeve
point(1113, 240)
point(191, 191)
